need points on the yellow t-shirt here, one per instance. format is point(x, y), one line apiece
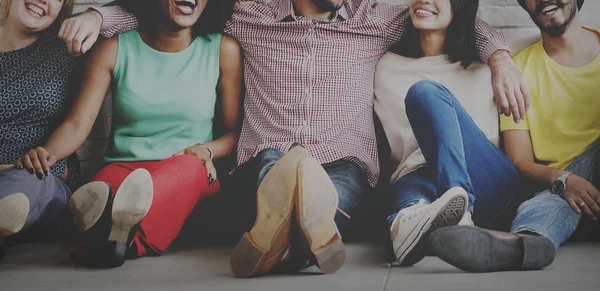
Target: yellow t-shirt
point(564, 117)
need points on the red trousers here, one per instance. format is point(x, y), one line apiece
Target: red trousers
point(179, 183)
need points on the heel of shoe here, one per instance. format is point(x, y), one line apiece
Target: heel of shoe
point(131, 204)
point(88, 204)
point(331, 257)
point(246, 258)
point(538, 252)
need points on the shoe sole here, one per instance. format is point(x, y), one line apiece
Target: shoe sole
point(487, 253)
point(316, 205)
point(131, 204)
point(446, 211)
point(261, 249)
point(88, 203)
point(14, 210)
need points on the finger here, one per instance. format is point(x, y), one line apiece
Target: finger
point(27, 164)
point(179, 153)
point(514, 106)
point(573, 205)
point(43, 157)
point(526, 93)
point(50, 162)
point(68, 29)
point(19, 164)
point(520, 103)
point(89, 42)
point(78, 39)
point(584, 207)
point(63, 29)
point(71, 40)
point(35, 160)
point(501, 100)
point(592, 205)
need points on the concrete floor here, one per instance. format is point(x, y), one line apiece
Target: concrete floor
point(46, 266)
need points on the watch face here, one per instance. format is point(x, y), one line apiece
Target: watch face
point(558, 187)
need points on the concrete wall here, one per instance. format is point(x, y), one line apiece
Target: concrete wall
point(505, 15)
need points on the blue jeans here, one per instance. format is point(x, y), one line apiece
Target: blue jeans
point(350, 182)
point(550, 215)
point(48, 197)
point(446, 133)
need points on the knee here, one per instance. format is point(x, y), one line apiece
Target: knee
point(543, 203)
point(423, 93)
point(189, 161)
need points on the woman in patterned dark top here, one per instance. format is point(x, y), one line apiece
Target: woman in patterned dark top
point(34, 70)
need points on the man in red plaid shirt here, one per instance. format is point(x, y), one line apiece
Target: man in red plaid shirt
point(307, 151)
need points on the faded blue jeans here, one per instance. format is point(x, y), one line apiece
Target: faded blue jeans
point(458, 154)
point(550, 215)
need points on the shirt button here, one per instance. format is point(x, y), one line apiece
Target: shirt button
point(307, 91)
point(305, 123)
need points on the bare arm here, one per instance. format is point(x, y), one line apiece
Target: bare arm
point(73, 131)
point(519, 149)
point(230, 93)
point(580, 193)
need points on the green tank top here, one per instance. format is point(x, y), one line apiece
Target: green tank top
point(163, 102)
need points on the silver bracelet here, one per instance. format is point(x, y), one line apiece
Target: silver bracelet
point(210, 152)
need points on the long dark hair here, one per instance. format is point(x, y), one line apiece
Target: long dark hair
point(460, 35)
point(213, 18)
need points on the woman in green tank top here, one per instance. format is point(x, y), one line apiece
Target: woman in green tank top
point(167, 78)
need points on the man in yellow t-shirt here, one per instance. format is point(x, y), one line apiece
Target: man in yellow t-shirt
point(555, 147)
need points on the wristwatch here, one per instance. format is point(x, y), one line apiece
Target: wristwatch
point(560, 185)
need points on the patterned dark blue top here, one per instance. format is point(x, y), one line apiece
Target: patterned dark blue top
point(33, 90)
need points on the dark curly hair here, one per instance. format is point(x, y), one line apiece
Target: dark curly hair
point(213, 18)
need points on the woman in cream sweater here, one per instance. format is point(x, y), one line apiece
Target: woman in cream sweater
point(437, 108)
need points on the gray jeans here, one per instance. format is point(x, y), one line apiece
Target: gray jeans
point(48, 197)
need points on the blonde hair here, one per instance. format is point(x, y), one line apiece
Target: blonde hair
point(65, 12)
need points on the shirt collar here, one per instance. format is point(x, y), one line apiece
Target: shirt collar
point(286, 11)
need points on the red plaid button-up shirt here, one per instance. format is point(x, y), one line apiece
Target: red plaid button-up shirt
point(310, 82)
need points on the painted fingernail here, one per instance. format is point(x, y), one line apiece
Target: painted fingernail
point(40, 176)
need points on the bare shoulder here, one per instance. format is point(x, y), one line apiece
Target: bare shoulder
point(229, 48)
point(104, 53)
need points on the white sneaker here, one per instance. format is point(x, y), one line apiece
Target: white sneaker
point(413, 222)
point(467, 220)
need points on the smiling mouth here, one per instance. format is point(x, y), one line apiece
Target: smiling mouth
point(549, 9)
point(424, 13)
point(186, 6)
point(35, 9)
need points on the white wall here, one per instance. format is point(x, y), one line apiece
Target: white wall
point(505, 15)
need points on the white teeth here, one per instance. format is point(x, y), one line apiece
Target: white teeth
point(35, 9)
point(424, 12)
point(549, 8)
